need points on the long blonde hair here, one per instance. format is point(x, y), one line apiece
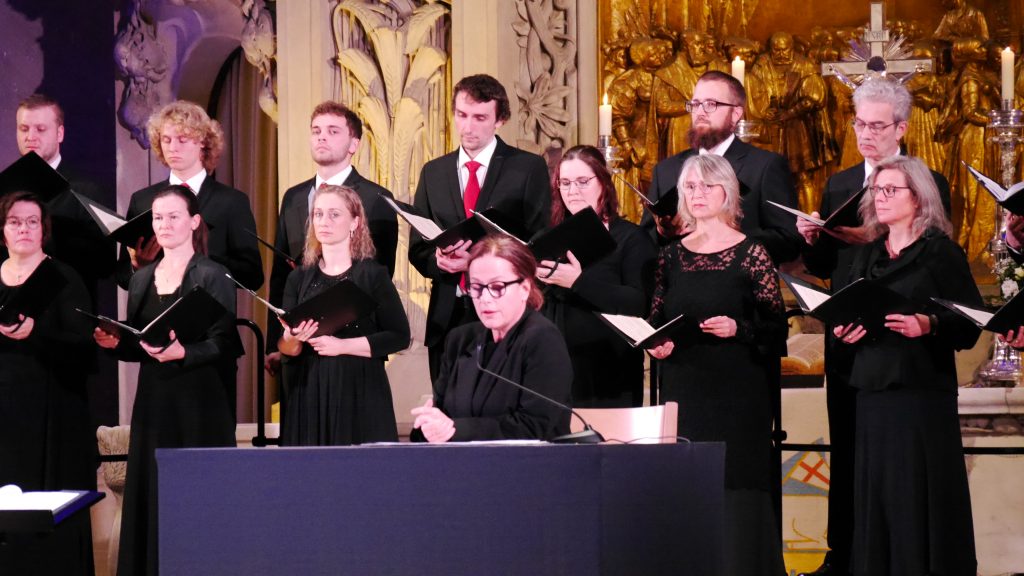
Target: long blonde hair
point(930, 212)
point(361, 245)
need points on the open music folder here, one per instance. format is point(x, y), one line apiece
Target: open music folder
point(1009, 316)
point(582, 233)
point(190, 316)
point(468, 229)
point(845, 215)
point(667, 205)
point(1009, 198)
point(113, 225)
point(862, 302)
point(639, 334)
point(34, 295)
point(333, 309)
point(32, 174)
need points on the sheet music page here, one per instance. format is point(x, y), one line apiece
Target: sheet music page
point(12, 498)
point(799, 214)
point(813, 298)
point(110, 221)
point(635, 328)
point(425, 226)
point(980, 316)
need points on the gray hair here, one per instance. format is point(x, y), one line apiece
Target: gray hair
point(886, 92)
point(713, 170)
point(929, 214)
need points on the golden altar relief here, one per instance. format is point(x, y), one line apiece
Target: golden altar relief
point(652, 52)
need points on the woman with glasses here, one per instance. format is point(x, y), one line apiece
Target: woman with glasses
point(725, 284)
point(46, 441)
point(512, 341)
point(607, 372)
point(183, 398)
point(912, 508)
point(336, 391)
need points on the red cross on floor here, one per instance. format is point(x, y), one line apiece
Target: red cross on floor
point(812, 471)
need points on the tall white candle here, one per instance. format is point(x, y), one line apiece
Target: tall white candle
point(739, 68)
point(604, 118)
point(1008, 75)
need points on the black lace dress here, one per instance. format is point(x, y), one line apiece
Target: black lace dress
point(722, 384)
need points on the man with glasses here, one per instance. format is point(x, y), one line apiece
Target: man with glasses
point(881, 111)
point(718, 104)
point(484, 172)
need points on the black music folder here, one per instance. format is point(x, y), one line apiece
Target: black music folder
point(333, 309)
point(862, 302)
point(34, 295)
point(640, 334)
point(1009, 198)
point(667, 205)
point(190, 316)
point(121, 230)
point(845, 215)
point(583, 233)
point(1009, 317)
point(468, 229)
point(32, 174)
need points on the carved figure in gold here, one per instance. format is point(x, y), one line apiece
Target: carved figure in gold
point(961, 21)
point(962, 124)
point(748, 50)
point(675, 86)
point(928, 91)
point(795, 121)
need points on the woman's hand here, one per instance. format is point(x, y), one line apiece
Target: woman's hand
point(328, 345)
point(849, 334)
point(909, 325)
point(1015, 338)
point(105, 339)
point(18, 331)
point(663, 350)
point(562, 274)
point(436, 426)
point(721, 326)
point(455, 258)
point(169, 353)
point(303, 332)
point(809, 230)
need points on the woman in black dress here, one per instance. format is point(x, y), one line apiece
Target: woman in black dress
point(336, 389)
point(182, 399)
point(46, 441)
point(912, 507)
point(608, 372)
point(716, 371)
point(511, 339)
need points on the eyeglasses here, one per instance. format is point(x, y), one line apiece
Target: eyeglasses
point(703, 187)
point(875, 128)
point(32, 223)
point(581, 184)
point(889, 191)
point(709, 105)
point(496, 289)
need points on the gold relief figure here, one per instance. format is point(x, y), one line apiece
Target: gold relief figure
point(616, 55)
point(793, 119)
point(962, 124)
point(928, 91)
point(635, 123)
point(675, 87)
point(961, 21)
point(747, 50)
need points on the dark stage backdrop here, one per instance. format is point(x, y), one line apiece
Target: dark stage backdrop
point(64, 49)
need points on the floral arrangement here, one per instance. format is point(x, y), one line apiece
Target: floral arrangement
point(1010, 277)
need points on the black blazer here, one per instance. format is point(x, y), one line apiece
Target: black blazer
point(830, 258)
point(517, 184)
point(221, 341)
point(935, 266)
point(533, 354)
point(763, 176)
point(230, 221)
point(291, 235)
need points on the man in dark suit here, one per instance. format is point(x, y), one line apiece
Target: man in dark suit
point(334, 135)
point(717, 106)
point(77, 240)
point(483, 173)
point(881, 112)
point(188, 142)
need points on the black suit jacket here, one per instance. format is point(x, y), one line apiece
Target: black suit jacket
point(763, 176)
point(229, 217)
point(830, 258)
point(291, 235)
point(517, 184)
point(533, 354)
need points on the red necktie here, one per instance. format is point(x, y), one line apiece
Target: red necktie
point(322, 185)
point(469, 198)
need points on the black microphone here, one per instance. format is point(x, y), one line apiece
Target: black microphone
point(586, 436)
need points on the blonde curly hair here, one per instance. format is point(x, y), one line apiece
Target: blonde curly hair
point(192, 121)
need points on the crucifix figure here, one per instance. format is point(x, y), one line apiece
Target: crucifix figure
point(876, 56)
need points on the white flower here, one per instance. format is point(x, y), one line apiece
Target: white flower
point(1018, 272)
point(1009, 288)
